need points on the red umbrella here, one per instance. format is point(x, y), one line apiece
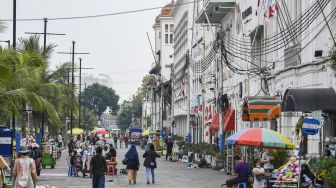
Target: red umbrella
point(103, 131)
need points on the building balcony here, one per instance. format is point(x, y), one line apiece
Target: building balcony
point(215, 10)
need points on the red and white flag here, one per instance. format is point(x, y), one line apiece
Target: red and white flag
point(271, 8)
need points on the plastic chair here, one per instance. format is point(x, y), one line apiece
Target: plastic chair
point(244, 184)
point(72, 171)
point(112, 167)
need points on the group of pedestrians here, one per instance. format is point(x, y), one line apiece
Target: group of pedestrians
point(133, 164)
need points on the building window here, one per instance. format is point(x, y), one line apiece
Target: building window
point(166, 38)
point(171, 28)
point(171, 38)
point(166, 28)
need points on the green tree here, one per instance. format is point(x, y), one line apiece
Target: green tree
point(133, 107)
point(124, 117)
point(98, 97)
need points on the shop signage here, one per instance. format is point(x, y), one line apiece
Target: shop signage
point(247, 12)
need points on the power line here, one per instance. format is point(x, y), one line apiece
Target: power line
point(99, 15)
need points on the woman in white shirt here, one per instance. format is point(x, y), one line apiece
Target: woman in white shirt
point(259, 174)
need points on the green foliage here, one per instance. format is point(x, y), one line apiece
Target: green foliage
point(280, 157)
point(124, 117)
point(133, 107)
point(203, 148)
point(332, 54)
point(98, 97)
point(326, 169)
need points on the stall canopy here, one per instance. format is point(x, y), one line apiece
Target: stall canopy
point(229, 120)
point(309, 99)
point(261, 108)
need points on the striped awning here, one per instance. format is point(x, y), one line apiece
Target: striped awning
point(261, 108)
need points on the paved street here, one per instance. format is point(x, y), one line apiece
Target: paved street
point(167, 175)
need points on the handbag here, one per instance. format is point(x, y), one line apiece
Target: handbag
point(124, 161)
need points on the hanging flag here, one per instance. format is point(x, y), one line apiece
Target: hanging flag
point(271, 8)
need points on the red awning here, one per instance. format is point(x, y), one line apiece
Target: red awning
point(229, 120)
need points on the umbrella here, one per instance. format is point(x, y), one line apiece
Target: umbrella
point(76, 131)
point(148, 132)
point(260, 137)
point(102, 131)
point(97, 129)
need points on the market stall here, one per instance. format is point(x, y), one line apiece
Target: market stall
point(266, 138)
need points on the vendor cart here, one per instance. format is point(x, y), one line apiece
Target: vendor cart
point(48, 160)
point(48, 156)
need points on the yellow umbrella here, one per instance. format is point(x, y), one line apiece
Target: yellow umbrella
point(76, 131)
point(148, 132)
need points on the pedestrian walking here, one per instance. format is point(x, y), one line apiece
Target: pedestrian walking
point(115, 138)
point(24, 172)
point(126, 141)
point(98, 167)
point(150, 162)
point(120, 141)
point(170, 146)
point(259, 174)
point(132, 164)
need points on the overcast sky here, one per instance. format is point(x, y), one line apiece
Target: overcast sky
point(118, 44)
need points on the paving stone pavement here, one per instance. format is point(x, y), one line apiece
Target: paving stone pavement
point(168, 174)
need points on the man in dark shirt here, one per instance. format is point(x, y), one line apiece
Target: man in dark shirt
point(241, 170)
point(170, 146)
point(98, 167)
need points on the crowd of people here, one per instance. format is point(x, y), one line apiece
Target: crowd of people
point(94, 154)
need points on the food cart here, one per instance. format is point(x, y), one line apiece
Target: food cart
point(49, 154)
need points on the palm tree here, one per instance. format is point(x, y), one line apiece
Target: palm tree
point(20, 83)
point(50, 87)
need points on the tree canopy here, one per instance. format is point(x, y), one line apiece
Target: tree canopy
point(133, 106)
point(99, 97)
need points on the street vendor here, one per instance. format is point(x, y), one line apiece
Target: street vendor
point(241, 172)
point(267, 160)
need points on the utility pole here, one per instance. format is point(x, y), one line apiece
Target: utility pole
point(45, 21)
point(85, 123)
point(80, 91)
point(171, 66)
point(220, 95)
point(188, 98)
point(14, 24)
point(72, 80)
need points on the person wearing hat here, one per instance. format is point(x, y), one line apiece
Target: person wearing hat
point(24, 171)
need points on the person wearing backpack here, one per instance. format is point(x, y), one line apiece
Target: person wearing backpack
point(150, 162)
point(24, 171)
point(258, 174)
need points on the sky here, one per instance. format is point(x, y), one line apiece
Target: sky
point(118, 45)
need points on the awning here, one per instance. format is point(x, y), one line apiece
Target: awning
point(309, 99)
point(229, 120)
point(261, 108)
